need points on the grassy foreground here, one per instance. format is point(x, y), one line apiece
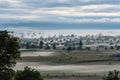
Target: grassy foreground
point(72, 58)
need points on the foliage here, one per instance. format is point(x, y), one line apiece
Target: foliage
point(6, 74)
point(28, 74)
point(47, 46)
point(88, 48)
point(9, 52)
point(54, 46)
point(112, 75)
point(80, 45)
point(41, 44)
point(27, 45)
point(111, 47)
point(69, 48)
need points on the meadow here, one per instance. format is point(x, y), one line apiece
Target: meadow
point(69, 65)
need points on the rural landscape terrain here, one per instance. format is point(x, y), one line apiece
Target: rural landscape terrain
point(59, 39)
point(71, 57)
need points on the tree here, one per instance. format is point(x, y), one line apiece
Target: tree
point(106, 48)
point(7, 74)
point(117, 47)
point(88, 48)
point(69, 48)
point(97, 49)
point(27, 45)
point(41, 45)
point(47, 46)
point(9, 52)
point(111, 47)
point(28, 74)
point(112, 75)
point(80, 45)
point(54, 46)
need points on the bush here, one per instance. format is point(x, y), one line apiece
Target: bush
point(112, 75)
point(28, 74)
point(69, 48)
point(7, 74)
point(9, 53)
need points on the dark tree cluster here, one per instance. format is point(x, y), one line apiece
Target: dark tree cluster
point(112, 75)
point(28, 74)
point(9, 53)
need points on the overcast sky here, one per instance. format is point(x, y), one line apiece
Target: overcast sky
point(60, 14)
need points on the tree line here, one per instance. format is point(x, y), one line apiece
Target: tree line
point(9, 53)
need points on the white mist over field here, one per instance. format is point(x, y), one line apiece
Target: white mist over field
point(36, 33)
point(47, 33)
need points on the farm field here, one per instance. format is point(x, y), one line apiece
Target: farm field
point(73, 65)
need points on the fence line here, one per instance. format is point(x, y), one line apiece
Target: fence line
point(65, 75)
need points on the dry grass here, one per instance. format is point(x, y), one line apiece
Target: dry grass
point(73, 78)
point(88, 62)
point(64, 57)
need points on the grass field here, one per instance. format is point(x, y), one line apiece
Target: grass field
point(73, 65)
point(73, 57)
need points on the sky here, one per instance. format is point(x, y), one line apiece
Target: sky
point(60, 14)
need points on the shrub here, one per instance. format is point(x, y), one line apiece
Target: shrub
point(112, 75)
point(28, 74)
point(9, 53)
point(7, 74)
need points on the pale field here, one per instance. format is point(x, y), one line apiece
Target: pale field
point(47, 67)
point(37, 54)
point(73, 68)
point(44, 66)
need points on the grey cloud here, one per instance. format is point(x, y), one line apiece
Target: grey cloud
point(27, 6)
point(67, 3)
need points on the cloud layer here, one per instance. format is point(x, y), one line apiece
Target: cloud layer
point(56, 13)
